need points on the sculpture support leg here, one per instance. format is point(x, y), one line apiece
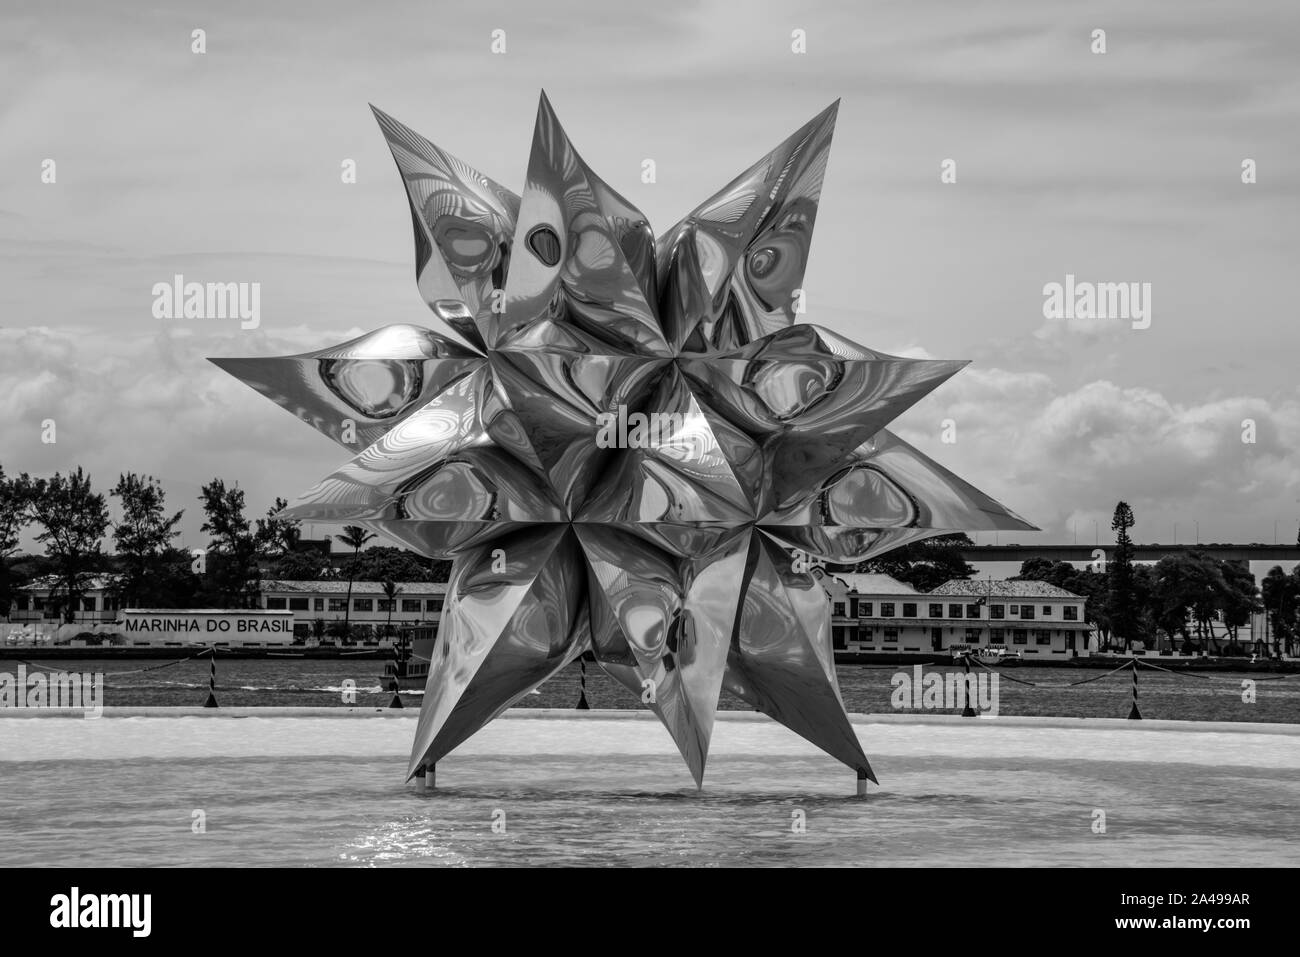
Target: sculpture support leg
point(862, 784)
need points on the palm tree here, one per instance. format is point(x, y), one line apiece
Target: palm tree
point(391, 591)
point(355, 537)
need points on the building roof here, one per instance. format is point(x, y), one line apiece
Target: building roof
point(91, 583)
point(1004, 588)
point(875, 583)
point(324, 587)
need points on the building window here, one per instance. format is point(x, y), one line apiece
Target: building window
point(319, 604)
point(363, 604)
point(87, 604)
point(997, 611)
point(866, 633)
point(1047, 611)
point(1071, 613)
point(891, 634)
point(1020, 637)
point(411, 605)
point(954, 611)
point(38, 604)
point(338, 604)
point(997, 635)
point(1042, 637)
point(973, 635)
point(1015, 609)
point(837, 638)
point(22, 602)
point(936, 610)
point(297, 604)
point(886, 609)
point(973, 611)
point(909, 609)
point(385, 604)
point(1027, 612)
point(276, 604)
point(433, 604)
point(864, 609)
point(838, 609)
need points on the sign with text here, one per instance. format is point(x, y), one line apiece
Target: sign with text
point(204, 625)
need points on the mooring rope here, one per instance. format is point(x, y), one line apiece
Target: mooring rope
point(133, 671)
point(1139, 661)
point(1007, 676)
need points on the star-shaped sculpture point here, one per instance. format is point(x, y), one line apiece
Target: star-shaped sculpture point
point(630, 446)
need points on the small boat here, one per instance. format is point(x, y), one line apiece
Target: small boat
point(412, 654)
point(998, 655)
point(988, 655)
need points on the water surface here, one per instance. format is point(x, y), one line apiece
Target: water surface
point(596, 789)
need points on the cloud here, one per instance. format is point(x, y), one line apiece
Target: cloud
point(1055, 455)
point(1123, 167)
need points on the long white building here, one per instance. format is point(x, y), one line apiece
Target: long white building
point(318, 608)
point(877, 613)
point(316, 605)
point(869, 612)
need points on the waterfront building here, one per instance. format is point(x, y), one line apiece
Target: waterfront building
point(873, 613)
point(318, 606)
point(41, 602)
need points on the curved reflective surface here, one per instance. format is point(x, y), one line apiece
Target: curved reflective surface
point(644, 438)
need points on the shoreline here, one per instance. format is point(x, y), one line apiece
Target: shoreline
point(569, 714)
point(298, 653)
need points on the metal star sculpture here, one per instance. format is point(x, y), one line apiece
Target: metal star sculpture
point(637, 452)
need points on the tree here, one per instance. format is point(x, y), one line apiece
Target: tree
point(142, 539)
point(1120, 603)
point(1172, 598)
point(277, 536)
point(73, 519)
point(1145, 626)
point(1240, 599)
point(385, 563)
point(1279, 594)
point(924, 565)
point(1295, 610)
point(1095, 586)
point(1197, 587)
point(391, 591)
point(13, 519)
point(232, 553)
point(354, 537)
point(298, 566)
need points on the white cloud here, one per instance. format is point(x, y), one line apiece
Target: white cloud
point(1060, 456)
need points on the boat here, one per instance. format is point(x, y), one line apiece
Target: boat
point(412, 655)
point(998, 655)
point(988, 655)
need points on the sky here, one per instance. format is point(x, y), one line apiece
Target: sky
point(1117, 167)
